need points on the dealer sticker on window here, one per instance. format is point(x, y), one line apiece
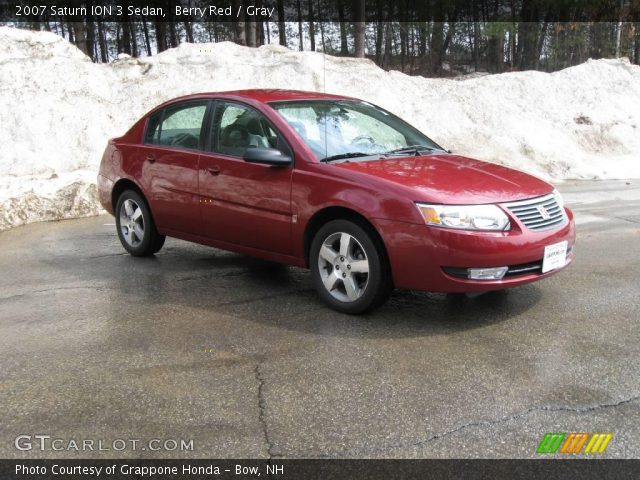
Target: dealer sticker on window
point(555, 256)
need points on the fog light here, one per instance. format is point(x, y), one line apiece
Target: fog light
point(495, 273)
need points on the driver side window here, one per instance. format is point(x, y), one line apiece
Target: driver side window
point(238, 127)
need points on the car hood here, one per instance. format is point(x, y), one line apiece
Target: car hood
point(453, 179)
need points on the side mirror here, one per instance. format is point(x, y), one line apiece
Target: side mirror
point(267, 156)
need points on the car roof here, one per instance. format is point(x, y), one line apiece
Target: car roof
point(265, 95)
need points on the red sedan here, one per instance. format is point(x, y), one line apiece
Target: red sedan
point(334, 184)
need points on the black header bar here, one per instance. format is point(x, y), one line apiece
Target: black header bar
point(24, 11)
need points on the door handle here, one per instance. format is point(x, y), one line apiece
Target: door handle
point(214, 170)
point(150, 158)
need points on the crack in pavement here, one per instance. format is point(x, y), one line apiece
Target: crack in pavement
point(628, 220)
point(107, 255)
point(486, 423)
point(262, 408)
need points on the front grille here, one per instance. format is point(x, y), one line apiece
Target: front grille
point(530, 212)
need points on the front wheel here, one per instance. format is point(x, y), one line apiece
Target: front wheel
point(349, 267)
point(136, 229)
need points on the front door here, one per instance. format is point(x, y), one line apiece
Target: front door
point(243, 203)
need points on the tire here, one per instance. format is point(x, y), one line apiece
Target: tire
point(349, 267)
point(136, 228)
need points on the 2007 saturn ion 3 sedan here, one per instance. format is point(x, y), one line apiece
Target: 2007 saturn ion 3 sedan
point(334, 184)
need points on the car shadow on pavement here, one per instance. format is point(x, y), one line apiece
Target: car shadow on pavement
point(257, 291)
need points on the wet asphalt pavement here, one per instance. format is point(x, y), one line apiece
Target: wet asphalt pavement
point(240, 356)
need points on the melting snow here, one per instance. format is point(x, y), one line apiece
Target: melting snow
point(59, 109)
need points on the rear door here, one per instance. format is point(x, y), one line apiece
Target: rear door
point(243, 203)
point(173, 142)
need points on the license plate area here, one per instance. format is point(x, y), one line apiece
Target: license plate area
point(555, 256)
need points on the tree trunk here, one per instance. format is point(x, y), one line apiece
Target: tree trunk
point(118, 40)
point(379, 31)
point(403, 45)
point(145, 31)
point(161, 36)
point(240, 34)
point(281, 24)
point(541, 38)
point(388, 44)
point(312, 32)
point(300, 32)
point(188, 28)
point(252, 33)
point(344, 46)
point(91, 41)
point(175, 41)
point(126, 38)
point(104, 55)
point(80, 37)
point(422, 39)
point(636, 42)
point(476, 37)
point(437, 43)
point(134, 39)
point(70, 27)
point(512, 36)
point(260, 33)
point(324, 48)
point(359, 27)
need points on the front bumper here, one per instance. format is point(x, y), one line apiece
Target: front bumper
point(419, 255)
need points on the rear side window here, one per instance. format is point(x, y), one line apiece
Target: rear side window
point(177, 126)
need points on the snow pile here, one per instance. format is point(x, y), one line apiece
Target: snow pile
point(58, 110)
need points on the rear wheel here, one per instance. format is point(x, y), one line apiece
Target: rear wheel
point(349, 267)
point(136, 229)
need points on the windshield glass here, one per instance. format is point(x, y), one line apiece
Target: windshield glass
point(350, 129)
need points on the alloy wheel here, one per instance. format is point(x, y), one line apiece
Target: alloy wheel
point(132, 222)
point(343, 266)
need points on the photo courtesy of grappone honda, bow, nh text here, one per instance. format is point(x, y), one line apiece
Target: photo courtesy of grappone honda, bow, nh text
point(340, 186)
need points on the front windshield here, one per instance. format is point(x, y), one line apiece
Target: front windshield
point(338, 129)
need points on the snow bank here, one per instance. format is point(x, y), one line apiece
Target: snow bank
point(58, 109)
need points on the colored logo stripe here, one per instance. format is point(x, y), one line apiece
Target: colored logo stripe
point(550, 443)
point(572, 443)
point(598, 442)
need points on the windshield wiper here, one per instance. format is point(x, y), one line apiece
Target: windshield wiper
point(411, 149)
point(342, 156)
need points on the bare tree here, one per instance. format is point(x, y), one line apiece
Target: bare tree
point(312, 32)
point(80, 37)
point(145, 32)
point(344, 46)
point(282, 33)
point(300, 32)
point(359, 27)
point(252, 33)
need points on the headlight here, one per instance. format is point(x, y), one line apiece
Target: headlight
point(465, 217)
point(559, 198)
